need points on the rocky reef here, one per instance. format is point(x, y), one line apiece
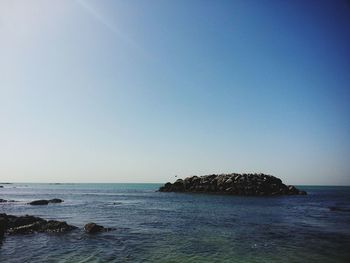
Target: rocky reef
point(27, 224)
point(233, 184)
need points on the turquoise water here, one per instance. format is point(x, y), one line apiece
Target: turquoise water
point(175, 227)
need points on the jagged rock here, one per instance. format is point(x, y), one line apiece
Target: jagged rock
point(234, 184)
point(30, 224)
point(92, 228)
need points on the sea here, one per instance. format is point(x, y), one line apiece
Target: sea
point(152, 226)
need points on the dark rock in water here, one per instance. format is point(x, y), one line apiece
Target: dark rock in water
point(233, 184)
point(39, 202)
point(18, 221)
point(46, 202)
point(31, 224)
point(7, 201)
point(55, 201)
point(1, 186)
point(53, 226)
point(25, 229)
point(92, 228)
point(3, 226)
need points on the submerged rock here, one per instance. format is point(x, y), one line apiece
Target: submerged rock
point(30, 224)
point(39, 202)
point(92, 228)
point(55, 201)
point(233, 184)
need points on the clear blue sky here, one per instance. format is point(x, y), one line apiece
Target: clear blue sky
point(140, 91)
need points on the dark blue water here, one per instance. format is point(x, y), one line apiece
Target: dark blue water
point(175, 227)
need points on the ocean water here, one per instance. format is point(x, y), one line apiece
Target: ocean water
point(174, 227)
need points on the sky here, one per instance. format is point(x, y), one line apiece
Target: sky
point(141, 91)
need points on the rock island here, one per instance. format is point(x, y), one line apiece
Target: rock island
point(233, 184)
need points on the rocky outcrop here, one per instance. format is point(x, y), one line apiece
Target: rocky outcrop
point(233, 184)
point(46, 202)
point(16, 225)
point(30, 224)
point(92, 228)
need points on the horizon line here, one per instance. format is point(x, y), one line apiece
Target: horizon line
point(58, 183)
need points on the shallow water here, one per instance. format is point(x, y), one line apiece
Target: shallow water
point(175, 227)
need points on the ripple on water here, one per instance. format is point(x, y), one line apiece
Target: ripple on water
point(162, 227)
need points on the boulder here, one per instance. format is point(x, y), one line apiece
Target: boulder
point(178, 186)
point(165, 188)
point(229, 181)
point(233, 184)
point(93, 228)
